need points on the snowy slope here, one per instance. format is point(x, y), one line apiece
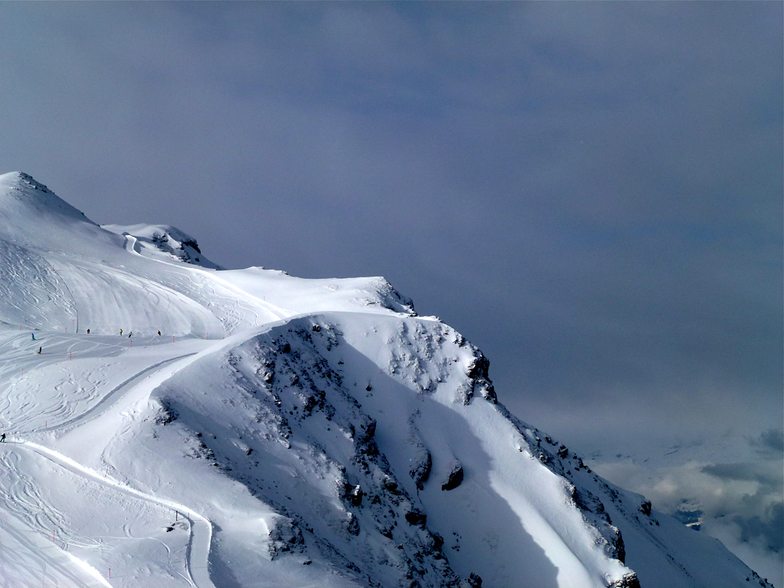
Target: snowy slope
point(278, 432)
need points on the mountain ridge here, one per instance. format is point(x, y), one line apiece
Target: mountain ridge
point(308, 432)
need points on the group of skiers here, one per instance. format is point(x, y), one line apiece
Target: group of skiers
point(40, 349)
point(130, 334)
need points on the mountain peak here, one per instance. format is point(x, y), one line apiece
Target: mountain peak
point(31, 181)
point(278, 432)
point(20, 191)
point(21, 180)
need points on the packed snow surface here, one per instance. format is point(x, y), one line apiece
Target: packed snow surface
point(170, 423)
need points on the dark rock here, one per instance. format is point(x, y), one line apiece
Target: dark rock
point(628, 581)
point(455, 478)
point(353, 494)
point(420, 471)
point(586, 500)
point(366, 433)
point(479, 379)
point(416, 518)
point(285, 536)
point(390, 485)
point(353, 525)
point(166, 414)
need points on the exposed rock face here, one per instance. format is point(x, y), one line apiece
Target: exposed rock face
point(628, 581)
point(297, 397)
point(420, 469)
point(479, 382)
point(455, 478)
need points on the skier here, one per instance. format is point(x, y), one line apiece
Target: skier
point(130, 334)
point(40, 349)
point(120, 332)
point(33, 336)
point(88, 331)
point(2, 438)
point(159, 333)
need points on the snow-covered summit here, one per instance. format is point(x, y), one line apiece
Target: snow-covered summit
point(33, 216)
point(171, 424)
point(164, 242)
point(18, 189)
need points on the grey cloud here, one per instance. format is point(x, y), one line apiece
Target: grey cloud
point(757, 472)
point(769, 528)
point(771, 440)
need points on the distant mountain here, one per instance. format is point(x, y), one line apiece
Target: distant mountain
point(170, 423)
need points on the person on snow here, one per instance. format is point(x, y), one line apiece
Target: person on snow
point(159, 333)
point(120, 332)
point(130, 334)
point(40, 349)
point(2, 438)
point(33, 336)
point(88, 331)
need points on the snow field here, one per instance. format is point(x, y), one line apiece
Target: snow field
point(280, 432)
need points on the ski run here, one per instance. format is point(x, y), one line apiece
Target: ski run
point(169, 423)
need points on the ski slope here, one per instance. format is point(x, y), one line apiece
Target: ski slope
point(248, 428)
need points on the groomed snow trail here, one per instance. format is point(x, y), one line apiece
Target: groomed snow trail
point(200, 527)
point(110, 397)
point(31, 559)
point(121, 405)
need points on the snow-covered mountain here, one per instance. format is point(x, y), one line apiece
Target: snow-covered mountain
point(170, 423)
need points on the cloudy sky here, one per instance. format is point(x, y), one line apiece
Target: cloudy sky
point(591, 193)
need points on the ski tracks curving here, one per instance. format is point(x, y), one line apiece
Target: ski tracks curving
point(108, 399)
point(200, 528)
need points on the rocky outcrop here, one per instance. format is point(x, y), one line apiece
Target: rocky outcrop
point(455, 477)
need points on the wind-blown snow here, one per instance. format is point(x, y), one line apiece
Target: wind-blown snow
point(248, 428)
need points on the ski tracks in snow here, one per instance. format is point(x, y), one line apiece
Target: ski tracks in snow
point(200, 527)
point(119, 398)
point(225, 304)
point(108, 399)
